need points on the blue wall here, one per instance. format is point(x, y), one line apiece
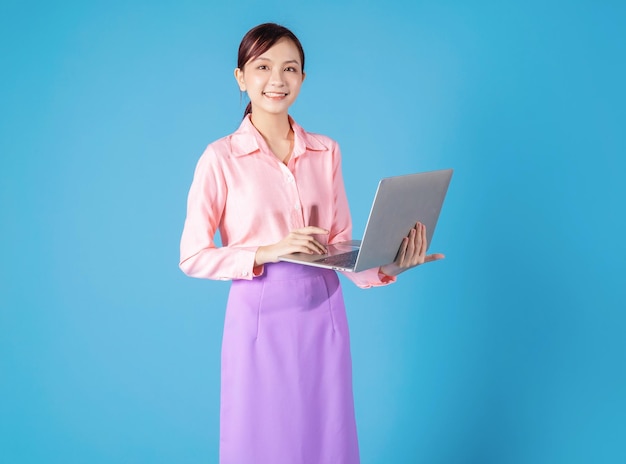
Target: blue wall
point(512, 350)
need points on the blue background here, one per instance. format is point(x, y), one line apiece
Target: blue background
point(512, 350)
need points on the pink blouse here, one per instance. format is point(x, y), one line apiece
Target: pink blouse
point(242, 189)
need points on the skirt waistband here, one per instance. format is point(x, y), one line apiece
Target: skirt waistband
point(289, 271)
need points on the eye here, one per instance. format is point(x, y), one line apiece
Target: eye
point(262, 67)
point(291, 69)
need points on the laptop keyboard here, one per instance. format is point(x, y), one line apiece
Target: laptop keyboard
point(342, 260)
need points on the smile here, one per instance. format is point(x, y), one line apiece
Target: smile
point(275, 94)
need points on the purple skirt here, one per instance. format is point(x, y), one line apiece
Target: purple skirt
point(286, 393)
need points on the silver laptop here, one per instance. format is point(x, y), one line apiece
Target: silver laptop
point(399, 203)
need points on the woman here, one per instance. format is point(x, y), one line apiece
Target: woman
point(272, 188)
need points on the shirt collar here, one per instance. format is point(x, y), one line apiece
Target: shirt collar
point(247, 139)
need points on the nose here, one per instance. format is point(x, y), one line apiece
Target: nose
point(276, 79)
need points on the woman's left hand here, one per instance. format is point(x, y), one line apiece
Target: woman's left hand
point(412, 252)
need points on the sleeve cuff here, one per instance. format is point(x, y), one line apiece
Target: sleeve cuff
point(384, 278)
point(246, 270)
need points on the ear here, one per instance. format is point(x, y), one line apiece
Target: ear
point(239, 79)
point(303, 76)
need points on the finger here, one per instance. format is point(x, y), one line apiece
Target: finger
point(308, 232)
point(311, 230)
point(417, 247)
point(315, 243)
point(402, 251)
point(434, 257)
point(423, 241)
point(308, 243)
point(301, 248)
point(407, 243)
point(410, 248)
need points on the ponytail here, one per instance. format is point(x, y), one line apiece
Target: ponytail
point(248, 110)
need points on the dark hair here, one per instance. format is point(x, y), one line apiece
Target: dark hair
point(260, 39)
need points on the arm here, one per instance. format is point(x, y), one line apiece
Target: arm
point(199, 256)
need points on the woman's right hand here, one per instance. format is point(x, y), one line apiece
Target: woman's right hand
point(298, 241)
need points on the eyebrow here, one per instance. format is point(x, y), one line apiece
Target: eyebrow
point(262, 58)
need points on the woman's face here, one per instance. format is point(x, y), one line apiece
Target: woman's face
point(273, 79)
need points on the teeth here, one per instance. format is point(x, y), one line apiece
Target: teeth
point(274, 94)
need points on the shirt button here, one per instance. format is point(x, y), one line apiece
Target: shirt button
point(244, 273)
point(289, 179)
point(296, 206)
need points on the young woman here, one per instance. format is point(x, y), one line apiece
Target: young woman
point(271, 188)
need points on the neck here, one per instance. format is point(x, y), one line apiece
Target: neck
point(272, 126)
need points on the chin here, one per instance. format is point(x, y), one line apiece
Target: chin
point(272, 111)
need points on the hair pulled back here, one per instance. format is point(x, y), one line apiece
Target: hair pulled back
point(260, 39)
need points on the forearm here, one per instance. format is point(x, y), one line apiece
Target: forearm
point(224, 263)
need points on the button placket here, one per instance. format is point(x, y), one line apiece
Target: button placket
point(294, 196)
